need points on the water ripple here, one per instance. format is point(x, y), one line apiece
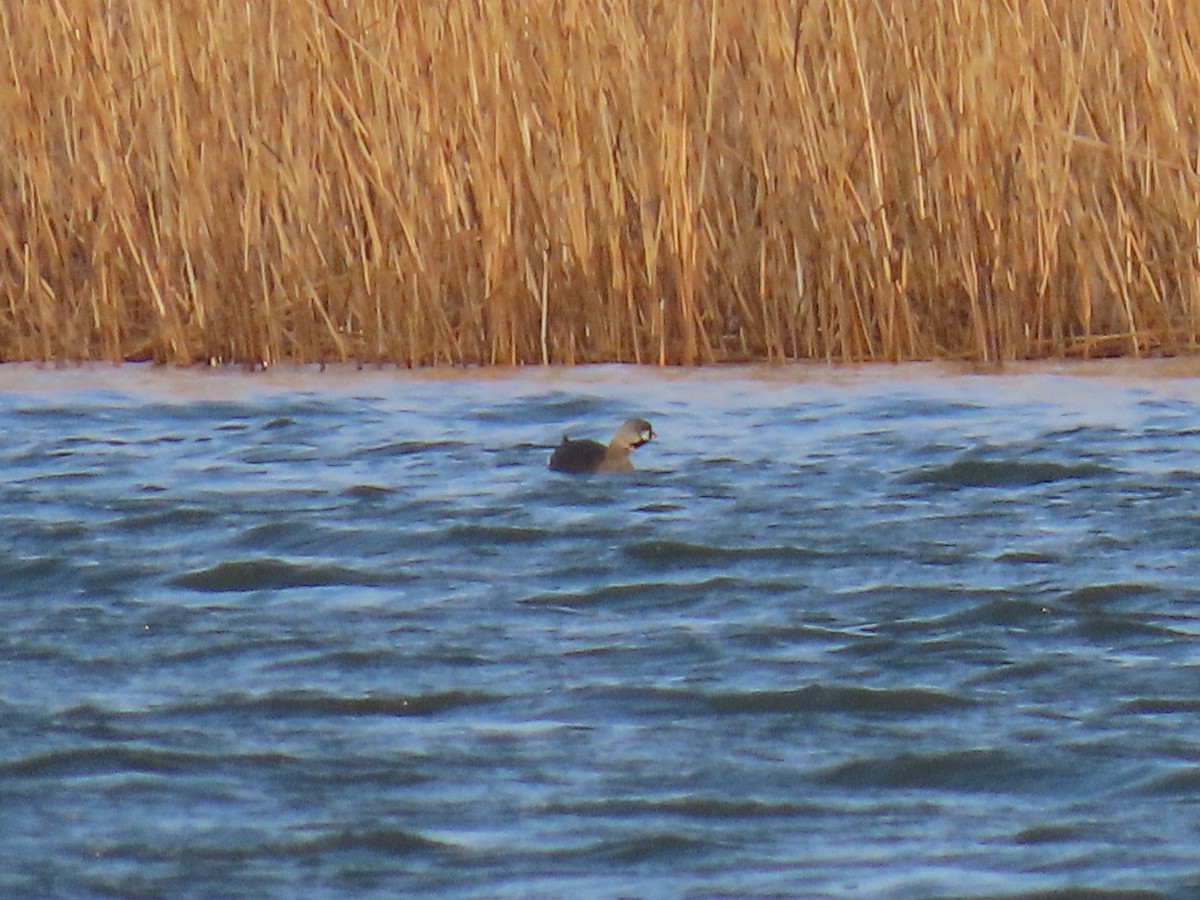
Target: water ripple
point(277, 574)
point(840, 699)
point(961, 770)
point(1002, 473)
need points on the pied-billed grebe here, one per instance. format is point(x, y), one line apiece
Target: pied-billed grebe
point(581, 457)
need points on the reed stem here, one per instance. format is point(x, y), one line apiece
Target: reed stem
point(560, 182)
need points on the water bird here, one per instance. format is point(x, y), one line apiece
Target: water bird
point(582, 456)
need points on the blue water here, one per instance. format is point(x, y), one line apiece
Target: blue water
point(889, 632)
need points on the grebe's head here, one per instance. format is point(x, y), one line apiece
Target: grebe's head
point(633, 433)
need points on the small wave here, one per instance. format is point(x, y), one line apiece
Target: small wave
point(182, 517)
point(278, 455)
point(1005, 612)
point(33, 570)
point(277, 574)
point(299, 538)
point(497, 534)
point(390, 841)
point(664, 506)
point(840, 699)
point(641, 593)
point(960, 770)
point(689, 807)
point(1004, 473)
point(409, 448)
point(1054, 834)
point(1157, 706)
point(642, 848)
point(1108, 629)
point(559, 408)
point(306, 703)
point(80, 762)
point(1184, 783)
point(218, 849)
point(689, 553)
point(367, 491)
point(1029, 557)
point(1098, 594)
point(339, 660)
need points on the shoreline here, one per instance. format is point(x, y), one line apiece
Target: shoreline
point(38, 377)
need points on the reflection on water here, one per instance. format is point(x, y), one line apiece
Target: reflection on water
point(895, 631)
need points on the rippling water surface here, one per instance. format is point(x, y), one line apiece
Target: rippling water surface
point(892, 632)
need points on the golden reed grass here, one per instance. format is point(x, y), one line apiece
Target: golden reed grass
point(497, 182)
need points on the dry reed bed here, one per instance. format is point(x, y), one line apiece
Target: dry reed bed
point(495, 182)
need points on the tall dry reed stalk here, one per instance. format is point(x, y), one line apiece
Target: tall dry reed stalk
point(567, 181)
